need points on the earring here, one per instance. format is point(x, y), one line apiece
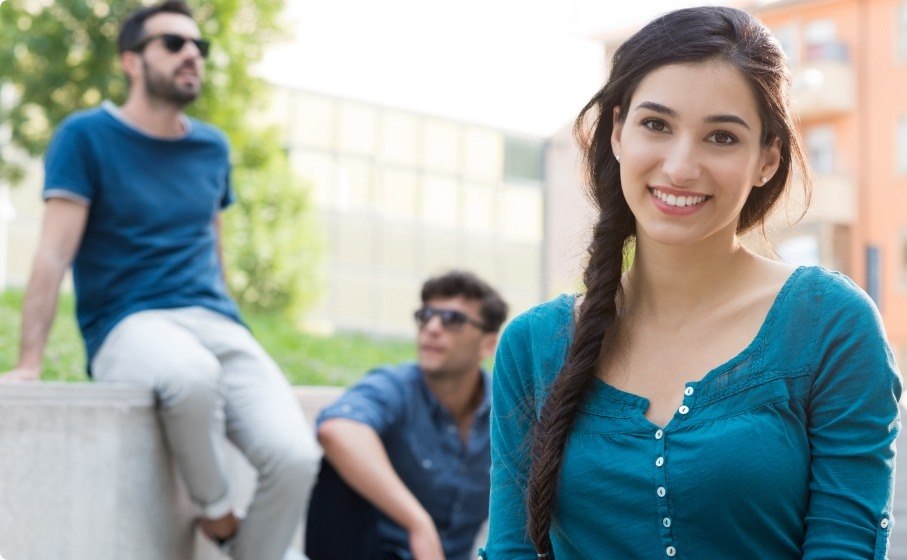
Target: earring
point(764, 180)
point(617, 157)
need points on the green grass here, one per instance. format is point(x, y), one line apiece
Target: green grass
point(306, 359)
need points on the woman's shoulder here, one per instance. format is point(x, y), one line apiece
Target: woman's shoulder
point(554, 315)
point(817, 305)
point(817, 285)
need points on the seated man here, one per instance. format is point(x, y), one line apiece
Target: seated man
point(412, 441)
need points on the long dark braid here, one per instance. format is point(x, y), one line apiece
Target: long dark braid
point(689, 35)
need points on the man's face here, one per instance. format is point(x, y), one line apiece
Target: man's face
point(174, 77)
point(457, 349)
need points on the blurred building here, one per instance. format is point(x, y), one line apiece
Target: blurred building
point(400, 196)
point(849, 62)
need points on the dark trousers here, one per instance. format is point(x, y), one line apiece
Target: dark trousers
point(340, 525)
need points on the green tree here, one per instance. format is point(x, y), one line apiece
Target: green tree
point(60, 56)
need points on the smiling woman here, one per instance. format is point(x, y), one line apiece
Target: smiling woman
point(706, 402)
point(689, 149)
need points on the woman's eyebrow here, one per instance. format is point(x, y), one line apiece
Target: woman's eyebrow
point(665, 110)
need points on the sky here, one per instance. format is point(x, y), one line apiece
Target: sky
point(525, 66)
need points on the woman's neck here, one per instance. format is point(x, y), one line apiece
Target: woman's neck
point(671, 282)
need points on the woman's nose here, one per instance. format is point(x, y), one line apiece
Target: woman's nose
point(681, 163)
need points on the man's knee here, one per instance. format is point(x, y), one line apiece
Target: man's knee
point(293, 460)
point(188, 382)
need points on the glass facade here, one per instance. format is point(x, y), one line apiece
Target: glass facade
point(403, 196)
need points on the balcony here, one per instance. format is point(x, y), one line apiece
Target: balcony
point(833, 202)
point(825, 83)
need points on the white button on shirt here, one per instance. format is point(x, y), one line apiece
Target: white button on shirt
point(666, 521)
point(688, 391)
point(659, 434)
point(884, 523)
point(683, 409)
point(661, 491)
point(670, 551)
point(659, 462)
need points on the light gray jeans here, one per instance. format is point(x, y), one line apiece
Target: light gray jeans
point(211, 379)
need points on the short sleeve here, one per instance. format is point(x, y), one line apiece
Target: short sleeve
point(511, 419)
point(70, 165)
point(377, 400)
point(853, 423)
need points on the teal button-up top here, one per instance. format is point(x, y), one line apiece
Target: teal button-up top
point(784, 452)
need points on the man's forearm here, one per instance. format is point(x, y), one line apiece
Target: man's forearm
point(356, 452)
point(38, 310)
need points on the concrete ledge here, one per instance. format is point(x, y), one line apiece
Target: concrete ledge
point(85, 475)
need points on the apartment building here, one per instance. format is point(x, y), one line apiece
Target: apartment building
point(849, 62)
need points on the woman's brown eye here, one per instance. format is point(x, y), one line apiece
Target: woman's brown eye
point(724, 138)
point(656, 125)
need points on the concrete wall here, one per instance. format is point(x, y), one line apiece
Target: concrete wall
point(85, 475)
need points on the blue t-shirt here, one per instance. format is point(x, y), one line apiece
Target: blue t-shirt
point(150, 241)
point(785, 452)
point(423, 442)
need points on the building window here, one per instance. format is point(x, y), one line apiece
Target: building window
point(902, 145)
point(821, 38)
point(522, 159)
point(820, 147)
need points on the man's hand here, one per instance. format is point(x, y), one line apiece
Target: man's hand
point(22, 374)
point(424, 541)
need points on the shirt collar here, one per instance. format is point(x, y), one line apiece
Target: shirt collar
point(436, 406)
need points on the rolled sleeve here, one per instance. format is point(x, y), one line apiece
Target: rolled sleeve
point(377, 401)
point(853, 423)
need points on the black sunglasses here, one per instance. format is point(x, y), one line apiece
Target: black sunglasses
point(175, 43)
point(451, 320)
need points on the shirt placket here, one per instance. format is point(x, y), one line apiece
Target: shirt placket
point(457, 472)
point(662, 490)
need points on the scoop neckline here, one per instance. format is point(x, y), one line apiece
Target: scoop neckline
point(619, 395)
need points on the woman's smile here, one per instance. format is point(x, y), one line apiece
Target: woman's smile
point(677, 203)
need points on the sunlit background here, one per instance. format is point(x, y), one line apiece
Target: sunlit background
point(437, 135)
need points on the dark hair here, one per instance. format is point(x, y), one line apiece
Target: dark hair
point(132, 31)
point(692, 35)
point(462, 283)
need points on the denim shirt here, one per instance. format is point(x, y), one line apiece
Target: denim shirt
point(449, 478)
point(785, 452)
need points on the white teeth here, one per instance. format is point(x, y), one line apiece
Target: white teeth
point(679, 201)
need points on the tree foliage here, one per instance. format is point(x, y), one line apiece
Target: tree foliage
point(60, 56)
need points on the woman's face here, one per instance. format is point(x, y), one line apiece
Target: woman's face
point(690, 152)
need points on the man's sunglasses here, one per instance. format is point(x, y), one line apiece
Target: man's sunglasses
point(451, 320)
point(174, 43)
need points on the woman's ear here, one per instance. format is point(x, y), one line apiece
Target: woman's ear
point(771, 159)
